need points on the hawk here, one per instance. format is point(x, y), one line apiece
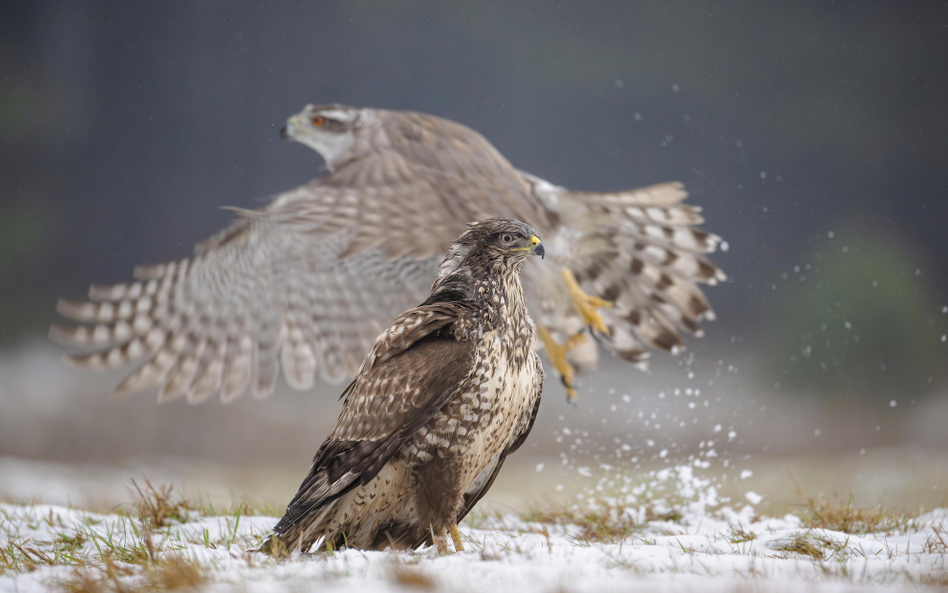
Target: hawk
point(307, 282)
point(444, 395)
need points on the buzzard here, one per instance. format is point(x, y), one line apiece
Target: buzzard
point(310, 280)
point(444, 395)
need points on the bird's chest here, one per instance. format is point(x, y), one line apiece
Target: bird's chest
point(480, 423)
point(498, 394)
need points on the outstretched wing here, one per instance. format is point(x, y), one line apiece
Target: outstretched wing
point(311, 281)
point(642, 250)
point(413, 370)
point(308, 282)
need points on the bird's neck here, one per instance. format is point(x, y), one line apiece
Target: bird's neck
point(503, 300)
point(493, 294)
point(498, 299)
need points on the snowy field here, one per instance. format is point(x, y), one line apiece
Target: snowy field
point(596, 501)
point(684, 540)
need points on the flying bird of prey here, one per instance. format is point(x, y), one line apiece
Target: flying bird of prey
point(444, 395)
point(310, 280)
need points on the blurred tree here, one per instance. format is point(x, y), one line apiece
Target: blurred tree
point(862, 325)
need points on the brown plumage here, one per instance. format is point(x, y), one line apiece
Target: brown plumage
point(309, 281)
point(444, 395)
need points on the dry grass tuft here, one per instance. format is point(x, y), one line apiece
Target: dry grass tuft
point(105, 578)
point(802, 545)
point(157, 506)
point(738, 535)
point(844, 516)
point(605, 524)
point(167, 573)
point(175, 572)
point(937, 543)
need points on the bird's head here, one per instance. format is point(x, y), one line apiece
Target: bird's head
point(497, 241)
point(495, 245)
point(330, 130)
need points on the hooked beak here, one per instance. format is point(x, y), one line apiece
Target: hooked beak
point(537, 248)
point(288, 131)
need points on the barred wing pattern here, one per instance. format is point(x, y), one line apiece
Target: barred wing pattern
point(642, 250)
point(311, 280)
point(275, 287)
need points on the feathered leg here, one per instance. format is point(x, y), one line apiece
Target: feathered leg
point(440, 540)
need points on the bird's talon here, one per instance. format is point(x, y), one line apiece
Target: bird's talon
point(586, 304)
point(557, 355)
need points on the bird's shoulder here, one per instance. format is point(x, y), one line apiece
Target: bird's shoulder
point(427, 321)
point(413, 368)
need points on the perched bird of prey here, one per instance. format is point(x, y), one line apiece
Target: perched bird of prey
point(444, 395)
point(310, 280)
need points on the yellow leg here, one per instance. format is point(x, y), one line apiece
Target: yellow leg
point(557, 355)
point(585, 303)
point(456, 536)
point(440, 541)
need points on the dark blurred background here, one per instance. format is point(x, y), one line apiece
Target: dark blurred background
point(812, 134)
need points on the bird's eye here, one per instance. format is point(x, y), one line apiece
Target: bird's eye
point(317, 120)
point(507, 238)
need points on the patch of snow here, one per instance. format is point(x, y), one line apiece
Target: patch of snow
point(698, 552)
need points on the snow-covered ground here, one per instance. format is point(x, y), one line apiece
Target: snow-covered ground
point(695, 545)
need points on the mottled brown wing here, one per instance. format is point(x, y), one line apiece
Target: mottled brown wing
point(414, 369)
point(283, 285)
